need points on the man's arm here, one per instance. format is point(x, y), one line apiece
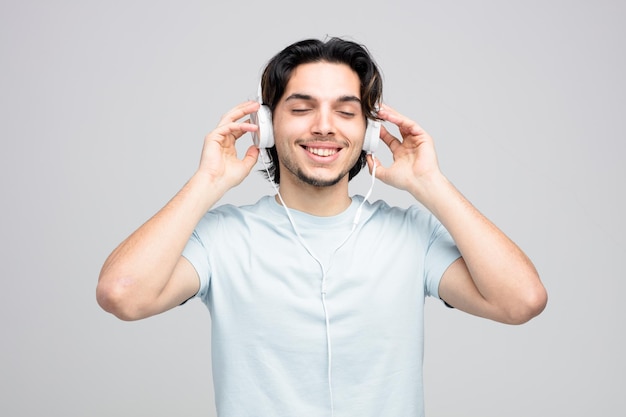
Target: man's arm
point(146, 274)
point(494, 278)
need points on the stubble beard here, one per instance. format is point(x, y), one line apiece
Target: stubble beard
point(314, 181)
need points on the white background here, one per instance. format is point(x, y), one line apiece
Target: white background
point(103, 109)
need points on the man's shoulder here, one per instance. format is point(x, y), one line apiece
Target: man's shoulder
point(232, 213)
point(261, 204)
point(383, 208)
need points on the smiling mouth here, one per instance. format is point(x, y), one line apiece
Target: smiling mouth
point(322, 151)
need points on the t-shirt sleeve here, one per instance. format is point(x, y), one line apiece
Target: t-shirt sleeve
point(441, 252)
point(196, 252)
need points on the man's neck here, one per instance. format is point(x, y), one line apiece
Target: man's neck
point(317, 201)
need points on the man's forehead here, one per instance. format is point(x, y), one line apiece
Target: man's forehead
point(323, 81)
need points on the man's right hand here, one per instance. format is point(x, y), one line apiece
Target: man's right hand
point(219, 163)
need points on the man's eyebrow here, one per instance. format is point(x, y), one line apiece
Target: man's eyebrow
point(307, 97)
point(298, 96)
point(345, 99)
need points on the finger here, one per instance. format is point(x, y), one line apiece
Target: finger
point(405, 125)
point(390, 140)
point(251, 156)
point(380, 169)
point(246, 127)
point(239, 111)
point(232, 130)
point(369, 158)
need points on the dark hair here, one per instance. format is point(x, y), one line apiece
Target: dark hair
point(335, 50)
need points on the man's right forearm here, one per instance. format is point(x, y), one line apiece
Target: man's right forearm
point(139, 269)
point(145, 274)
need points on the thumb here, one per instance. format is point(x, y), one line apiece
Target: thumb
point(372, 162)
point(251, 156)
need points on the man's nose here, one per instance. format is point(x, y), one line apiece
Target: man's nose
point(323, 123)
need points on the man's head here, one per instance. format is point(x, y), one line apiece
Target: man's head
point(282, 66)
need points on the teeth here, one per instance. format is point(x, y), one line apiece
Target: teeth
point(322, 151)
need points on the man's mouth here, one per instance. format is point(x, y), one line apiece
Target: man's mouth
point(322, 151)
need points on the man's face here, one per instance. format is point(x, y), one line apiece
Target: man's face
point(319, 125)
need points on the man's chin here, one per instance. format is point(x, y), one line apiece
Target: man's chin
point(320, 181)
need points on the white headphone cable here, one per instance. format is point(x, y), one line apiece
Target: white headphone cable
point(306, 247)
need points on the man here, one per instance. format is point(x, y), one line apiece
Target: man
point(316, 297)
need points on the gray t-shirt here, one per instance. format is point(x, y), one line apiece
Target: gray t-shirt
point(279, 348)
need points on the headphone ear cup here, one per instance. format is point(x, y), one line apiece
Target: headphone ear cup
point(264, 136)
point(372, 136)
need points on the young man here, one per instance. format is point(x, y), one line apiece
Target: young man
point(316, 297)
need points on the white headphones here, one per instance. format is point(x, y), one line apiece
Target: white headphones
point(264, 137)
